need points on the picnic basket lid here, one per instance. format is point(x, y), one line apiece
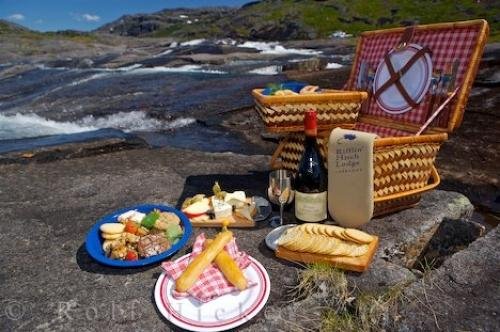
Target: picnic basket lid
point(461, 42)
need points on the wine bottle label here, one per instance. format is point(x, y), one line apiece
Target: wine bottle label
point(310, 207)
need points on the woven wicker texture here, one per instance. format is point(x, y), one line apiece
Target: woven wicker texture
point(403, 163)
point(286, 113)
point(292, 115)
point(398, 168)
point(293, 147)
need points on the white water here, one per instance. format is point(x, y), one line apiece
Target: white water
point(269, 70)
point(133, 121)
point(86, 79)
point(277, 48)
point(193, 42)
point(137, 69)
point(333, 65)
point(32, 125)
point(181, 69)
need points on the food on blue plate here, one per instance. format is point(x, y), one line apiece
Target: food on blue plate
point(152, 244)
point(291, 89)
point(112, 228)
point(309, 89)
point(137, 235)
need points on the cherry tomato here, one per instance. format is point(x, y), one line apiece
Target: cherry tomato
point(131, 256)
point(131, 227)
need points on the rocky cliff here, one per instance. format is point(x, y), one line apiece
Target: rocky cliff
point(304, 19)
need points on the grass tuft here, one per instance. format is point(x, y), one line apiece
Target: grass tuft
point(346, 308)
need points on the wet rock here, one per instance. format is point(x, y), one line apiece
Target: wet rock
point(85, 63)
point(73, 150)
point(489, 70)
point(228, 49)
point(313, 64)
point(167, 61)
point(200, 49)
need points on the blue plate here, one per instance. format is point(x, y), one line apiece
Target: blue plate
point(93, 242)
point(290, 85)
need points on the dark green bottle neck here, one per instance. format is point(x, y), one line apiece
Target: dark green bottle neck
point(310, 141)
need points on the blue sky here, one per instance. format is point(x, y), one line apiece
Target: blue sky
point(51, 15)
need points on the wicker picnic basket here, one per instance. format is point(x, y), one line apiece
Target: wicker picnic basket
point(286, 113)
point(403, 161)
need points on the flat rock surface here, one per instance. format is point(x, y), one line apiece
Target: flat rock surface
point(48, 282)
point(462, 295)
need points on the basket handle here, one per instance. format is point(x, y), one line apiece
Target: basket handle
point(275, 163)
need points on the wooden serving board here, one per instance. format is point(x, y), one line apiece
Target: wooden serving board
point(358, 264)
point(236, 221)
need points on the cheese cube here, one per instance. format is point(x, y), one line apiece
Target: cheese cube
point(132, 215)
point(237, 195)
point(221, 208)
point(236, 199)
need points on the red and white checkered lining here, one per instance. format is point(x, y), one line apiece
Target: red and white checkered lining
point(381, 131)
point(446, 46)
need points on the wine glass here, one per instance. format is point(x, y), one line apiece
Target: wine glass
point(280, 192)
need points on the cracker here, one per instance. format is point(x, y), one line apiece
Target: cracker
point(108, 236)
point(287, 236)
point(351, 240)
point(330, 229)
point(112, 228)
point(339, 234)
point(306, 228)
point(297, 241)
point(315, 244)
point(359, 250)
point(358, 235)
point(316, 229)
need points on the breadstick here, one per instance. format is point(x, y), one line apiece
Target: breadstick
point(230, 269)
point(200, 262)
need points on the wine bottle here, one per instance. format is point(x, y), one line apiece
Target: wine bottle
point(311, 183)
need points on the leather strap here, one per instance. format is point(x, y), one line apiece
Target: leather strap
point(406, 36)
point(395, 76)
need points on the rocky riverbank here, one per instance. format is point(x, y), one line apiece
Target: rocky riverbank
point(54, 285)
point(431, 258)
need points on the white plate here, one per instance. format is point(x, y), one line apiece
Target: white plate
point(416, 81)
point(274, 235)
point(223, 313)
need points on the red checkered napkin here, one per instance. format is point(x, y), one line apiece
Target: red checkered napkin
point(212, 283)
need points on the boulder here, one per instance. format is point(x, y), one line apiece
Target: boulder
point(462, 295)
point(313, 64)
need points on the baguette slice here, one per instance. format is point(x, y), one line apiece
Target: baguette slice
point(202, 261)
point(230, 269)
